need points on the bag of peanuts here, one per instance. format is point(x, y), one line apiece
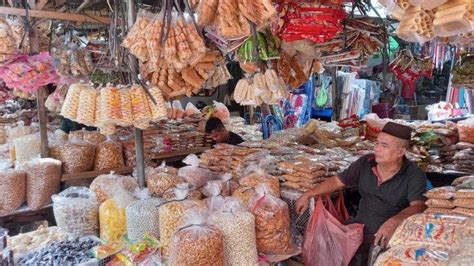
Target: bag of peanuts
point(105, 185)
point(112, 216)
point(12, 189)
point(108, 155)
point(466, 130)
point(244, 194)
point(272, 223)
point(43, 178)
point(77, 156)
point(76, 211)
point(176, 193)
point(193, 174)
point(159, 182)
point(238, 228)
point(196, 241)
point(170, 214)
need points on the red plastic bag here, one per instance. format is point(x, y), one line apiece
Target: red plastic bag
point(341, 208)
point(327, 242)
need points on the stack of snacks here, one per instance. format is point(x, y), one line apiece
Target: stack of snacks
point(440, 199)
point(464, 195)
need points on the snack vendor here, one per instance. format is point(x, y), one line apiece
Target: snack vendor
point(391, 188)
point(219, 134)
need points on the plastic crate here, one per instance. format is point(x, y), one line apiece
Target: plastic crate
point(298, 222)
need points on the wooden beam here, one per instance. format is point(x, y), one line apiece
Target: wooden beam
point(94, 174)
point(56, 15)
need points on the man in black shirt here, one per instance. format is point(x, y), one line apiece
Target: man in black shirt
point(391, 188)
point(220, 134)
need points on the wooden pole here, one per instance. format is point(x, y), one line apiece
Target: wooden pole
point(335, 97)
point(139, 150)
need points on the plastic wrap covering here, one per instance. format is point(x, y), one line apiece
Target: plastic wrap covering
point(108, 155)
point(105, 185)
point(244, 194)
point(466, 130)
point(143, 217)
point(447, 192)
point(260, 178)
point(272, 223)
point(182, 189)
point(43, 177)
point(158, 110)
point(77, 156)
point(12, 189)
point(196, 242)
point(238, 227)
point(194, 175)
point(76, 211)
point(140, 106)
point(110, 111)
point(112, 216)
point(170, 214)
point(27, 148)
point(159, 183)
point(71, 102)
point(126, 108)
point(86, 107)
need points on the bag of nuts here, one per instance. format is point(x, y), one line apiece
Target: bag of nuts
point(77, 156)
point(193, 174)
point(197, 242)
point(108, 155)
point(12, 189)
point(43, 177)
point(158, 182)
point(258, 177)
point(272, 223)
point(182, 189)
point(238, 227)
point(76, 211)
point(143, 217)
point(170, 214)
point(104, 185)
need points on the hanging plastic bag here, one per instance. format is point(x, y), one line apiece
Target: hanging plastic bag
point(194, 175)
point(112, 216)
point(327, 241)
point(178, 111)
point(76, 211)
point(197, 242)
point(272, 223)
point(108, 155)
point(238, 227)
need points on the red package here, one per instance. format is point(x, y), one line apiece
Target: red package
point(327, 241)
point(341, 208)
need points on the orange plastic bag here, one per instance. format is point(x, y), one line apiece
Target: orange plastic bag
point(327, 242)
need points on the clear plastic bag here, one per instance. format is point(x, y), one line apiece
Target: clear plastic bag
point(112, 216)
point(238, 228)
point(108, 155)
point(244, 194)
point(191, 110)
point(201, 242)
point(178, 111)
point(221, 112)
point(464, 203)
point(466, 130)
point(182, 189)
point(327, 241)
point(12, 189)
point(272, 223)
point(415, 254)
point(27, 148)
point(158, 183)
point(77, 156)
point(105, 185)
point(43, 177)
point(76, 211)
point(447, 192)
point(440, 203)
point(143, 217)
point(258, 177)
point(194, 175)
point(170, 214)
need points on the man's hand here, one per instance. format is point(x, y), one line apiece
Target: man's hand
point(302, 203)
point(385, 232)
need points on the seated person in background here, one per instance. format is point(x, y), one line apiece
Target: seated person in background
point(219, 134)
point(68, 126)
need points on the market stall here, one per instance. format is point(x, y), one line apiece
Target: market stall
point(123, 169)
